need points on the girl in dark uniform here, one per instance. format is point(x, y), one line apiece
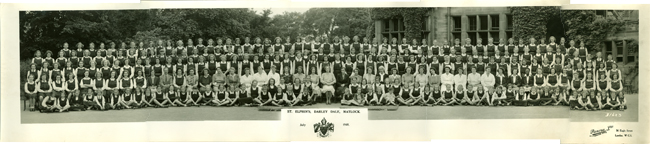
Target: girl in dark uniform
point(352, 91)
point(448, 96)
point(71, 85)
point(207, 96)
point(306, 96)
point(233, 95)
point(416, 94)
point(48, 104)
point(114, 100)
point(174, 97)
point(370, 94)
point(87, 101)
point(264, 96)
point(432, 95)
point(404, 96)
point(520, 98)
point(193, 97)
point(49, 60)
point(159, 98)
point(612, 102)
point(31, 90)
point(388, 98)
point(128, 99)
point(533, 97)
point(220, 95)
point(142, 99)
point(278, 99)
point(546, 96)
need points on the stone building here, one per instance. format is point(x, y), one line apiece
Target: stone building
point(448, 23)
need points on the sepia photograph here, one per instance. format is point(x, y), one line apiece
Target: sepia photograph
point(400, 63)
point(309, 72)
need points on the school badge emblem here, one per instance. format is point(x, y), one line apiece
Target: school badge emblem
point(324, 128)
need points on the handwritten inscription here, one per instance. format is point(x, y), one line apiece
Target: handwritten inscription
point(613, 115)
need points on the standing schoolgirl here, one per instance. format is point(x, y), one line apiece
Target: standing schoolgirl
point(31, 89)
point(615, 88)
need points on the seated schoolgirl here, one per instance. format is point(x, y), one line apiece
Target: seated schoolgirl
point(207, 96)
point(371, 98)
point(114, 101)
point(404, 97)
point(498, 96)
point(546, 96)
point(233, 94)
point(510, 94)
point(62, 103)
point(142, 99)
point(460, 95)
point(388, 98)
point(483, 96)
point(48, 104)
point(77, 102)
point(193, 96)
point(305, 98)
point(575, 101)
point(433, 95)
point(174, 97)
point(560, 97)
point(533, 96)
point(290, 98)
point(612, 103)
point(417, 94)
point(448, 96)
point(520, 97)
point(128, 99)
point(96, 102)
point(159, 98)
point(220, 95)
point(264, 97)
point(278, 98)
point(471, 98)
point(583, 99)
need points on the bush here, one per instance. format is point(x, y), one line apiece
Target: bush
point(24, 67)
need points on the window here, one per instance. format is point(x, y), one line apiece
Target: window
point(495, 22)
point(608, 48)
point(509, 22)
point(394, 28)
point(472, 23)
point(386, 25)
point(619, 48)
point(483, 22)
point(484, 37)
point(601, 12)
point(457, 23)
point(455, 35)
point(472, 35)
point(495, 36)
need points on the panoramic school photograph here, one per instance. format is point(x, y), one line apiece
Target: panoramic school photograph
point(407, 63)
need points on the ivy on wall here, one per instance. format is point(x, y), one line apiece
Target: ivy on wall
point(413, 19)
point(531, 21)
point(585, 25)
point(579, 25)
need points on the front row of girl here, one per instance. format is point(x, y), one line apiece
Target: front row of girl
point(479, 96)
